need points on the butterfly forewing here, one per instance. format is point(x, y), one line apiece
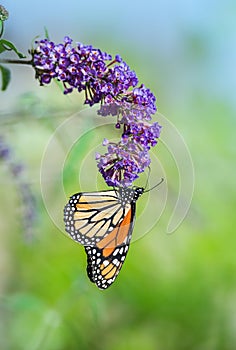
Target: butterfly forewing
point(89, 217)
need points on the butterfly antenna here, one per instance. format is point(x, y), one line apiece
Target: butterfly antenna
point(155, 185)
point(149, 171)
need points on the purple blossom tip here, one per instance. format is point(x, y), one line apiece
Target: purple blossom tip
point(97, 155)
point(118, 58)
point(105, 142)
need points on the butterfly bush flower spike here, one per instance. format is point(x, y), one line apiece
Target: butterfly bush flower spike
point(83, 68)
point(17, 171)
point(114, 85)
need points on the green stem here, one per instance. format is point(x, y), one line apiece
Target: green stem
point(8, 61)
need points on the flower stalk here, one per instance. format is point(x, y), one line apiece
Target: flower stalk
point(11, 61)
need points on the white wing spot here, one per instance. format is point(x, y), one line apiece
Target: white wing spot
point(116, 252)
point(115, 262)
point(105, 263)
point(121, 250)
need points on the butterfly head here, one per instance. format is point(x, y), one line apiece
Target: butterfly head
point(138, 191)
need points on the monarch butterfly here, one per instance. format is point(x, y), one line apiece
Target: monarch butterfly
point(103, 223)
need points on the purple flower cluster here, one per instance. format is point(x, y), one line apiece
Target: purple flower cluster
point(113, 84)
point(124, 160)
point(138, 104)
point(143, 133)
point(83, 68)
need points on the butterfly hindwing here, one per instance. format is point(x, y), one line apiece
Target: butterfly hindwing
point(106, 259)
point(103, 270)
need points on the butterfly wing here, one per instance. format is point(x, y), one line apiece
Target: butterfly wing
point(90, 217)
point(106, 259)
point(103, 223)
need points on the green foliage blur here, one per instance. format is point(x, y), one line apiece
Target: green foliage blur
point(175, 291)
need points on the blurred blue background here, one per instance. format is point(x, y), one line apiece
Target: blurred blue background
point(176, 291)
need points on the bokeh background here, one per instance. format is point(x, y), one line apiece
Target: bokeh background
point(176, 291)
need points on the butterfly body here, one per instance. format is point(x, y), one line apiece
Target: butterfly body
point(103, 223)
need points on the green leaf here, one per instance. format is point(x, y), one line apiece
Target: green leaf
point(46, 33)
point(6, 77)
point(6, 45)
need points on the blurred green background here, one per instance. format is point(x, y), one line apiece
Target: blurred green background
point(177, 291)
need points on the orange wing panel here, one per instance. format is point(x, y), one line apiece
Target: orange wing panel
point(117, 236)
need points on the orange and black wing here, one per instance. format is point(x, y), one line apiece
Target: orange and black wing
point(90, 217)
point(106, 259)
point(103, 223)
